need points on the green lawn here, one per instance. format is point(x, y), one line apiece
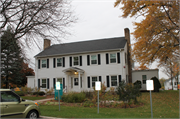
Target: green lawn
point(165, 105)
point(32, 98)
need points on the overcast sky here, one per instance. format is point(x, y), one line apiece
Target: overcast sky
point(98, 19)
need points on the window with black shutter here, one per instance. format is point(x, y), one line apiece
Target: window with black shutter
point(39, 64)
point(118, 57)
point(99, 59)
point(100, 79)
point(63, 61)
point(70, 61)
point(80, 59)
point(107, 58)
point(54, 62)
point(63, 83)
point(47, 83)
point(107, 79)
point(119, 78)
point(88, 81)
point(38, 83)
point(47, 63)
point(54, 82)
point(88, 60)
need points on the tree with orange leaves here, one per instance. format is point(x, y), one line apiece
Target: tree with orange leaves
point(157, 34)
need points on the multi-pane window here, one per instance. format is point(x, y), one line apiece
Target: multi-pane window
point(43, 83)
point(94, 79)
point(76, 81)
point(76, 60)
point(93, 59)
point(144, 78)
point(59, 80)
point(44, 62)
point(59, 62)
point(113, 58)
point(113, 80)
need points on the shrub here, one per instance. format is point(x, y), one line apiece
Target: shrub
point(41, 93)
point(73, 97)
point(157, 84)
point(138, 84)
point(20, 93)
point(25, 90)
point(127, 92)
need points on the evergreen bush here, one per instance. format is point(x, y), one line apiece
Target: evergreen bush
point(157, 84)
point(74, 97)
point(127, 92)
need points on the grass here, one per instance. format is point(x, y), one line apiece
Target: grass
point(32, 98)
point(165, 105)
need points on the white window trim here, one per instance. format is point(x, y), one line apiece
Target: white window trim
point(110, 57)
point(96, 59)
point(59, 78)
point(41, 63)
point(74, 81)
point(143, 79)
point(91, 80)
point(111, 80)
point(41, 83)
point(78, 60)
point(61, 62)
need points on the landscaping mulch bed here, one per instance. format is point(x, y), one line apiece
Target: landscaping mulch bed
point(101, 105)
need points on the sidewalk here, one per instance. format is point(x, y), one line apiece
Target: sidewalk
point(42, 100)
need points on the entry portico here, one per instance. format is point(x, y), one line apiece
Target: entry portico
point(74, 78)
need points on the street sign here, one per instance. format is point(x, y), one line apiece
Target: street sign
point(149, 85)
point(58, 86)
point(98, 85)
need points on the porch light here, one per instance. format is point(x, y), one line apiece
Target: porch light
point(75, 72)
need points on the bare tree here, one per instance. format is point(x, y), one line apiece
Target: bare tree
point(36, 19)
point(171, 68)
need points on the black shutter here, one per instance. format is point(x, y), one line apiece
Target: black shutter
point(63, 61)
point(118, 57)
point(54, 82)
point(119, 78)
point(47, 63)
point(88, 60)
point(107, 58)
point(47, 83)
point(100, 79)
point(107, 78)
point(88, 82)
point(54, 62)
point(39, 64)
point(63, 83)
point(38, 83)
point(80, 59)
point(99, 59)
point(70, 61)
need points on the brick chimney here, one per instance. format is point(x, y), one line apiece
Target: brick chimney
point(129, 60)
point(47, 43)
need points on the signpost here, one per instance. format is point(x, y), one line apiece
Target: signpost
point(58, 87)
point(98, 87)
point(150, 86)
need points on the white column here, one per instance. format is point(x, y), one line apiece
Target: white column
point(79, 80)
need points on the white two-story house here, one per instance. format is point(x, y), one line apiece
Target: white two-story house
point(79, 65)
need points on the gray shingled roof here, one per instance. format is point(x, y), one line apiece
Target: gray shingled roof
point(84, 46)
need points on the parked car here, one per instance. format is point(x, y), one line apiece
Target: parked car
point(13, 106)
